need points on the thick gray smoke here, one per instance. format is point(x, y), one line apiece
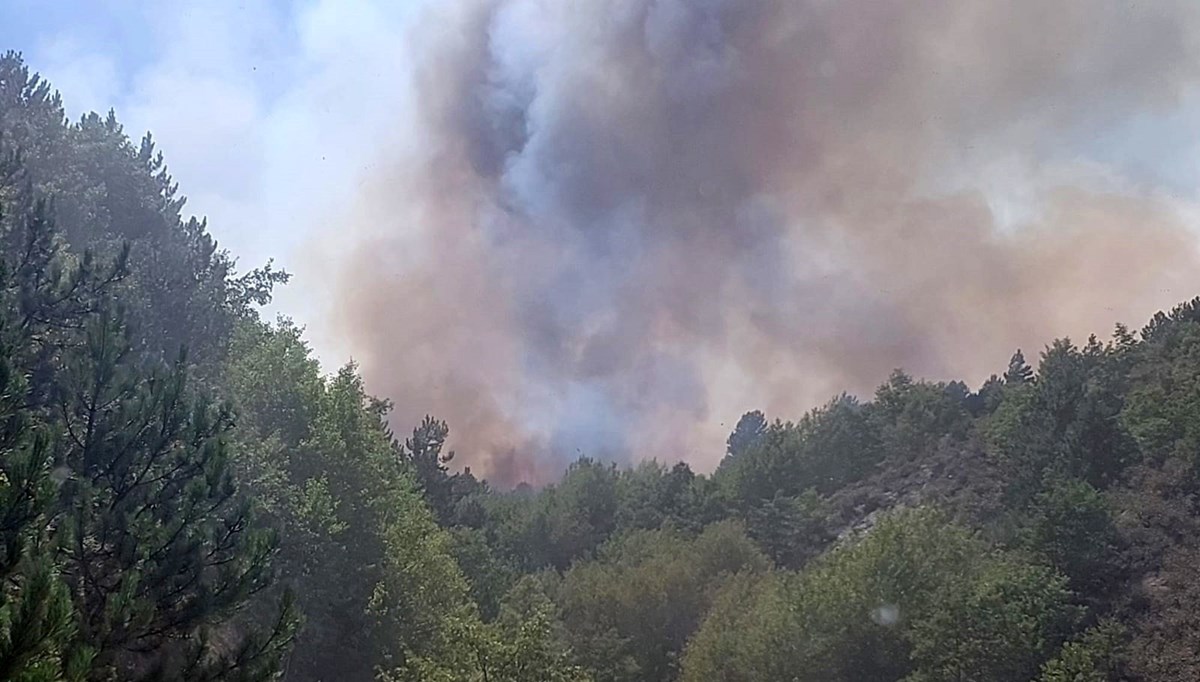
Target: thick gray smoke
point(618, 224)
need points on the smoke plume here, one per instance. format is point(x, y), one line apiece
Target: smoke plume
point(615, 225)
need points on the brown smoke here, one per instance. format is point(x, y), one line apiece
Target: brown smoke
point(624, 222)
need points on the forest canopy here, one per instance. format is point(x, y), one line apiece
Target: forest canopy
point(186, 495)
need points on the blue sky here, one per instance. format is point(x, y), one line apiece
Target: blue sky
point(269, 113)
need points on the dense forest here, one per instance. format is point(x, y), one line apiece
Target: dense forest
point(185, 495)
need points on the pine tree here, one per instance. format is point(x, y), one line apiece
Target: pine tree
point(36, 618)
point(748, 432)
point(1019, 372)
point(423, 452)
point(156, 550)
point(158, 544)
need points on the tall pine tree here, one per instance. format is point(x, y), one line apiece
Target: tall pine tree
point(150, 536)
point(37, 624)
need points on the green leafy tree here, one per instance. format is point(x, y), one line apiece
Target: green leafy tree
point(989, 396)
point(828, 448)
point(561, 523)
point(1162, 408)
point(915, 598)
point(1068, 422)
point(488, 575)
point(1000, 626)
point(791, 530)
point(629, 613)
point(1159, 648)
point(651, 495)
point(522, 652)
point(1095, 656)
point(382, 585)
point(1071, 524)
point(911, 417)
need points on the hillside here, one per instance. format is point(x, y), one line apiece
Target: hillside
point(186, 496)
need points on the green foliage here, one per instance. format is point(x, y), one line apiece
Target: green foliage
point(142, 546)
point(489, 576)
point(157, 542)
point(829, 447)
point(988, 398)
point(1019, 373)
point(109, 190)
point(912, 416)
point(37, 622)
point(1159, 648)
point(629, 613)
point(791, 530)
point(422, 596)
point(525, 652)
point(651, 495)
point(156, 517)
point(1071, 525)
point(999, 626)
point(1093, 657)
point(1162, 408)
point(525, 644)
point(378, 579)
point(1067, 422)
point(530, 654)
point(915, 598)
point(423, 454)
point(560, 524)
point(747, 434)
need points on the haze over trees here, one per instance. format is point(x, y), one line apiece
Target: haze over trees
point(185, 495)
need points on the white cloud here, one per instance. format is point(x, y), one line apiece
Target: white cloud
point(270, 116)
point(88, 81)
